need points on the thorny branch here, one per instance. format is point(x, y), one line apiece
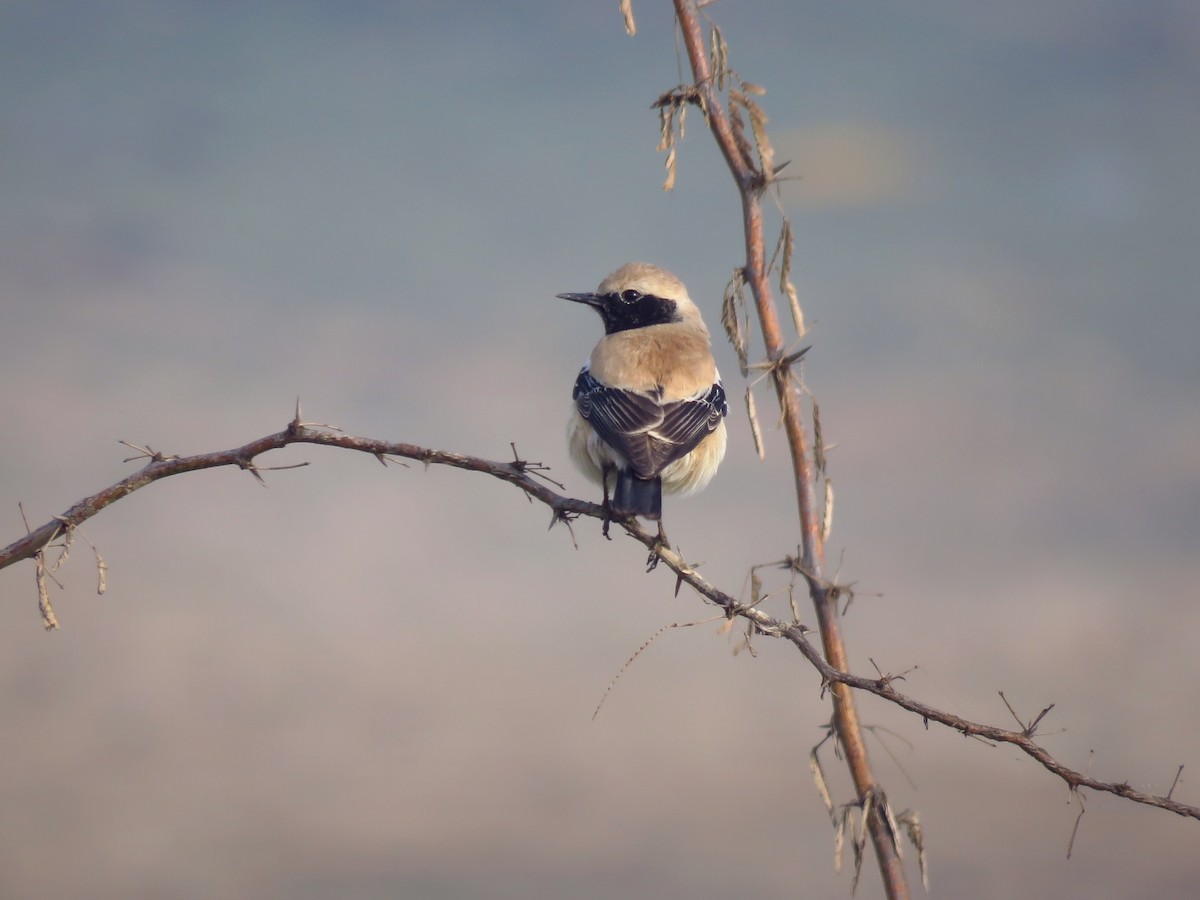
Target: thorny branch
point(724, 98)
point(529, 478)
point(752, 177)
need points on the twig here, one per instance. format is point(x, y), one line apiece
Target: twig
point(1174, 783)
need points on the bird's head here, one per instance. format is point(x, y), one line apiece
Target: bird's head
point(639, 295)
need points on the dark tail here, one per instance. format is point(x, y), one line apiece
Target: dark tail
point(637, 496)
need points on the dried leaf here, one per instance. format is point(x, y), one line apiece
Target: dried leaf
point(45, 607)
point(797, 312)
point(726, 627)
point(627, 13)
point(860, 840)
point(101, 572)
point(827, 513)
point(64, 553)
point(714, 54)
point(754, 430)
point(756, 89)
point(736, 326)
point(666, 115)
point(867, 806)
point(818, 774)
point(758, 123)
point(781, 256)
point(839, 841)
point(912, 827)
point(818, 439)
point(792, 601)
point(786, 246)
point(783, 251)
point(669, 184)
point(755, 111)
point(738, 126)
point(785, 277)
point(893, 827)
point(719, 55)
point(724, 59)
point(755, 587)
point(700, 101)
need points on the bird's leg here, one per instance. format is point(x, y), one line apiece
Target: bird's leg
point(607, 520)
point(660, 543)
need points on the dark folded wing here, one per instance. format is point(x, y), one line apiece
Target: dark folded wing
point(650, 434)
point(621, 418)
point(687, 422)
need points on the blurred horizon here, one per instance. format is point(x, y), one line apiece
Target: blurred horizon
point(362, 682)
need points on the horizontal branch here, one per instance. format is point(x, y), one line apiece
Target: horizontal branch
point(517, 472)
point(525, 476)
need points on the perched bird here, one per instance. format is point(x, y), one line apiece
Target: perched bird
point(649, 406)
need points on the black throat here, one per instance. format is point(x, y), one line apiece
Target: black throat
point(630, 309)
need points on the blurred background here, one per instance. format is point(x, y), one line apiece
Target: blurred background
point(364, 682)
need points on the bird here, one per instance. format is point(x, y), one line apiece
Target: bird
point(649, 408)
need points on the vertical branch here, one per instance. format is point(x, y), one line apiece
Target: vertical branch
point(751, 183)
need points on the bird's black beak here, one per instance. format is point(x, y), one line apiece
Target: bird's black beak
point(596, 301)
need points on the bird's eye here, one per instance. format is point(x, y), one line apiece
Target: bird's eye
point(631, 296)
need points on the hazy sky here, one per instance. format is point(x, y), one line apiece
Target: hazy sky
point(366, 683)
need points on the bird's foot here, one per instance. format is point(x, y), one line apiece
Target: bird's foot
point(660, 543)
point(608, 513)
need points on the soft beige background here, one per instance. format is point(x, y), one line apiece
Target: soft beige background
point(366, 683)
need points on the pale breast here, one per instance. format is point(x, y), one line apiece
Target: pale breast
point(675, 358)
